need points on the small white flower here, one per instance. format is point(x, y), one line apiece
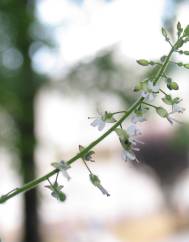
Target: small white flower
point(137, 118)
point(62, 166)
point(171, 119)
point(152, 87)
point(177, 109)
point(128, 155)
point(150, 91)
point(99, 123)
point(148, 96)
point(133, 131)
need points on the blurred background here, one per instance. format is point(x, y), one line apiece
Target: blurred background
point(61, 61)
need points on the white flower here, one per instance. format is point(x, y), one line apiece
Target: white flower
point(128, 155)
point(104, 118)
point(177, 109)
point(99, 123)
point(171, 119)
point(133, 131)
point(137, 118)
point(150, 91)
point(63, 167)
point(128, 141)
point(152, 87)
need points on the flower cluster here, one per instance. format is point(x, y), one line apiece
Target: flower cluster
point(148, 89)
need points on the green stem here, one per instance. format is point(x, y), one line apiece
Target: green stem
point(148, 104)
point(32, 184)
point(119, 112)
point(163, 92)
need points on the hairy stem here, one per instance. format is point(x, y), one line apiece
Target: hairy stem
point(32, 184)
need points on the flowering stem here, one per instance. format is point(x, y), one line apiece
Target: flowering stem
point(32, 184)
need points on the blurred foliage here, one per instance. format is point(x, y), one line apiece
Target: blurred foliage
point(104, 74)
point(21, 36)
point(181, 138)
point(170, 13)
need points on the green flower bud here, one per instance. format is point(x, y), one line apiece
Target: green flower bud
point(179, 64)
point(186, 66)
point(164, 33)
point(172, 86)
point(94, 179)
point(179, 43)
point(61, 196)
point(186, 52)
point(162, 112)
point(143, 62)
point(168, 100)
point(179, 29)
point(162, 59)
point(138, 87)
point(186, 31)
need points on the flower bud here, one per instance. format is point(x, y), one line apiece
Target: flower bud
point(172, 86)
point(162, 112)
point(143, 62)
point(186, 66)
point(186, 31)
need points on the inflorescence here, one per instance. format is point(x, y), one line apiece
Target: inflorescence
point(149, 89)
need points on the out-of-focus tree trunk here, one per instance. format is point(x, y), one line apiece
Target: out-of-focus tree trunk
point(25, 120)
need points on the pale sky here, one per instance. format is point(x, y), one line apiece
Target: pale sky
point(83, 30)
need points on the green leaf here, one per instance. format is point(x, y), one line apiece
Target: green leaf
point(162, 112)
point(143, 62)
